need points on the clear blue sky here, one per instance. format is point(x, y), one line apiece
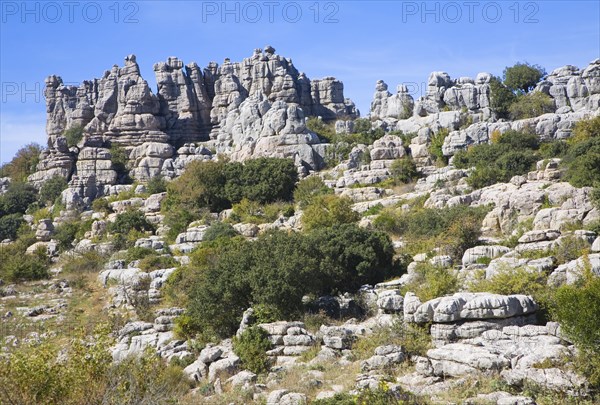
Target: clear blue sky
point(358, 42)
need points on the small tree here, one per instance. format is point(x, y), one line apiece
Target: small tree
point(522, 77)
point(51, 190)
point(251, 346)
point(531, 105)
point(404, 170)
point(23, 164)
point(501, 97)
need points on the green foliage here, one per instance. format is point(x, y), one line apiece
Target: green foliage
point(16, 265)
point(66, 233)
point(515, 153)
point(88, 262)
point(276, 271)
point(251, 347)
point(73, 135)
point(522, 77)
point(501, 97)
point(119, 158)
point(435, 147)
point(102, 205)
point(51, 190)
point(327, 211)
point(219, 230)
point(82, 372)
point(431, 282)
point(456, 228)
point(257, 213)
point(404, 170)
point(156, 184)
point(585, 130)
point(130, 220)
point(9, 226)
point(17, 198)
point(23, 164)
point(583, 163)
point(156, 262)
point(218, 185)
point(415, 339)
point(577, 308)
point(324, 131)
point(531, 105)
point(309, 188)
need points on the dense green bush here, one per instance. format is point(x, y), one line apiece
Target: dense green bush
point(277, 270)
point(51, 190)
point(156, 184)
point(523, 77)
point(251, 347)
point(435, 147)
point(514, 153)
point(309, 188)
point(431, 282)
point(130, 220)
point(576, 309)
point(9, 226)
point(73, 135)
point(17, 198)
point(256, 213)
point(404, 170)
point(16, 265)
point(583, 162)
point(531, 105)
point(328, 210)
point(501, 98)
point(119, 158)
point(66, 233)
point(218, 185)
point(23, 164)
point(219, 230)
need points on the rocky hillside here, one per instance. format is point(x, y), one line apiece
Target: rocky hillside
point(242, 236)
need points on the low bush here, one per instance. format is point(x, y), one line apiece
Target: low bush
point(404, 170)
point(9, 226)
point(327, 211)
point(156, 184)
point(128, 221)
point(251, 347)
point(276, 271)
point(17, 199)
point(308, 189)
point(256, 213)
point(73, 135)
point(219, 230)
point(432, 282)
point(531, 105)
point(51, 190)
point(18, 266)
point(156, 262)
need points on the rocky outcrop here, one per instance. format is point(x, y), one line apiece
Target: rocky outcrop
point(248, 109)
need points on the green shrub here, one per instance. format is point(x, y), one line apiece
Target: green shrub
point(19, 266)
point(128, 221)
point(583, 163)
point(101, 205)
point(327, 211)
point(324, 131)
point(523, 77)
point(309, 188)
point(251, 347)
point(576, 309)
point(73, 135)
point(432, 282)
point(276, 271)
point(513, 154)
point(156, 262)
point(51, 190)
point(531, 105)
point(415, 340)
point(501, 97)
point(88, 262)
point(435, 147)
point(156, 184)
point(585, 130)
point(119, 158)
point(219, 230)
point(138, 253)
point(257, 213)
point(404, 170)
point(9, 226)
point(17, 199)
point(23, 164)
point(66, 233)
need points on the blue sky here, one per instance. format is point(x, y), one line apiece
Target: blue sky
point(358, 42)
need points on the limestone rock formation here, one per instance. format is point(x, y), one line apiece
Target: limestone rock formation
point(247, 109)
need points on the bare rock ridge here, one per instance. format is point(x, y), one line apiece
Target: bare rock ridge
point(251, 108)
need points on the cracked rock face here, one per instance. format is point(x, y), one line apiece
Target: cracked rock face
point(256, 107)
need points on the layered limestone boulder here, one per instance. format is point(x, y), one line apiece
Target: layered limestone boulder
point(247, 109)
